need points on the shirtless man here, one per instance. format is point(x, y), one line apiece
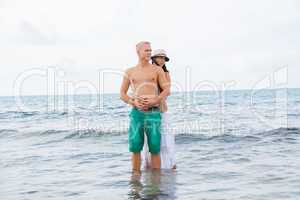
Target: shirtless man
point(145, 80)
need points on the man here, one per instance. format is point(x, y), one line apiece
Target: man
point(145, 80)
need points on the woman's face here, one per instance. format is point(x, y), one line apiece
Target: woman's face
point(160, 60)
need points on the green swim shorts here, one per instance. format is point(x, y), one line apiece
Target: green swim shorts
point(144, 122)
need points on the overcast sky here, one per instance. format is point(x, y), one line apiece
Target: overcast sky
point(213, 41)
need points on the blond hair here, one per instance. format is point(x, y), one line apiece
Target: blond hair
point(140, 44)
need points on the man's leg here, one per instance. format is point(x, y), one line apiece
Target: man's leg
point(136, 162)
point(136, 138)
point(153, 122)
point(155, 160)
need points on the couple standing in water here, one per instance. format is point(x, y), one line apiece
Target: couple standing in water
point(151, 144)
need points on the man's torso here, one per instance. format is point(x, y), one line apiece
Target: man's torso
point(144, 81)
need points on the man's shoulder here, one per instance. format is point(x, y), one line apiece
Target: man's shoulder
point(130, 70)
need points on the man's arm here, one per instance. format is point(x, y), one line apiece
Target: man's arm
point(124, 89)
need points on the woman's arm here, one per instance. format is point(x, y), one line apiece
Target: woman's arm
point(168, 77)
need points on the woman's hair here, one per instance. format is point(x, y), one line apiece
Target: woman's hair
point(164, 67)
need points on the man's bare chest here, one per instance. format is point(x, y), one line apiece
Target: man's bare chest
point(138, 77)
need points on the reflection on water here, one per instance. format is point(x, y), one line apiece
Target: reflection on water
point(153, 185)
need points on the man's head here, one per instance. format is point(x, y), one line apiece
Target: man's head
point(144, 50)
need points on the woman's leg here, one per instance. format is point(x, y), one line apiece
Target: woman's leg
point(167, 143)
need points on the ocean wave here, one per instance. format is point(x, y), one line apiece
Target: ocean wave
point(28, 114)
point(51, 132)
point(189, 138)
point(7, 132)
point(293, 115)
point(282, 132)
point(18, 114)
point(181, 138)
point(87, 133)
point(82, 133)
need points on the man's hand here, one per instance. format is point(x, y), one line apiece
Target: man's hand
point(153, 101)
point(140, 105)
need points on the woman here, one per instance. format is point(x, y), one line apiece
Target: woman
point(167, 147)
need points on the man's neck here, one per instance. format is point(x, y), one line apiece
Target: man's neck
point(143, 63)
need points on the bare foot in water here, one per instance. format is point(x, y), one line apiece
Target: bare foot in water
point(136, 173)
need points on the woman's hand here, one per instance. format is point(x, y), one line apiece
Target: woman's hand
point(140, 105)
point(153, 101)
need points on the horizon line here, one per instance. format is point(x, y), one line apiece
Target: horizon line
point(113, 93)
